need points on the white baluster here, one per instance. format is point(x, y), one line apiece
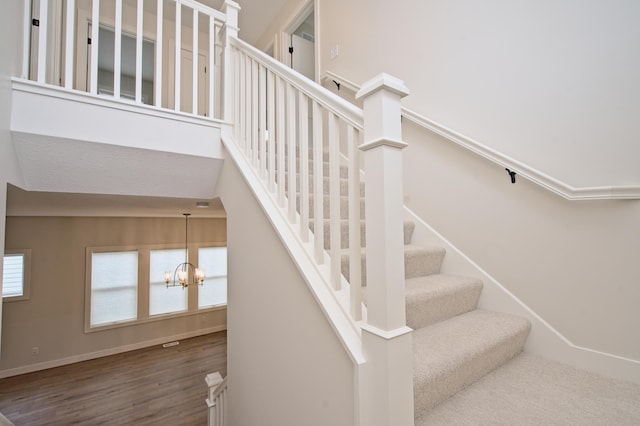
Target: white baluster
point(117, 51)
point(254, 113)
point(194, 78)
point(303, 136)
point(318, 185)
point(355, 254)
point(271, 162)
point(95, 44)
point(334, 201)
point(291, 152)
point(157, 85)
point(178, 58)
point(212, 69)
point(42, 42)
point(139, 35)
point(70, 29)
point(280, 139)
point(26, 40)
point(262, 121)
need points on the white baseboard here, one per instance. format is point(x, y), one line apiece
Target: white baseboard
point(544, 340)
point(106, 352)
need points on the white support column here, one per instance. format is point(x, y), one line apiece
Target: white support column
point(387, 382)
point(230, 9)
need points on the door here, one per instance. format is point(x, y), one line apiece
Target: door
point(303, 56)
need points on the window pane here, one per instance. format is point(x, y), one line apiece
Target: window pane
point(114, 287)
point(163, 300)
point(13, 275)
point(214, 262)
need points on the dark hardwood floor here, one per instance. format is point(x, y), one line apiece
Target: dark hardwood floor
point(151, 386)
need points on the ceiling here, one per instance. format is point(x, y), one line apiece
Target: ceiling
point(255, 16)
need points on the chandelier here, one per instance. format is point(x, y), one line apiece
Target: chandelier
point(186, 273)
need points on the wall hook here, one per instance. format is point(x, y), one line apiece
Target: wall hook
point(512, 174)
point(337, 84)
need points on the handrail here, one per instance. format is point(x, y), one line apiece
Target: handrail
point(328, 100)
point(569, 192)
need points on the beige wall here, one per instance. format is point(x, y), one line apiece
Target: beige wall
point(53, 318)
point(550, 84)
point(286, 364)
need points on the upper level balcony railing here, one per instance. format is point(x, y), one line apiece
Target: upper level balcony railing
point(163, 53)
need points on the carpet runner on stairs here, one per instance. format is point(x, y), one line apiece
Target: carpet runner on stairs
point(454, 343)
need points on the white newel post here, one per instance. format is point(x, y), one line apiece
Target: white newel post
point(387, 381)
point(230, 9)
point(216, 408)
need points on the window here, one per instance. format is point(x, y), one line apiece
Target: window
point(214, 262)
point(163, 299)
point(125, 285)
point(15, 277)
point(114, 287)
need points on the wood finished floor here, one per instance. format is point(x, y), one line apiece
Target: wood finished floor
point(151, 386)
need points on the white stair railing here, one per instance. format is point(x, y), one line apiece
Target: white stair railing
point(217, 400)
point(60, 51)
point(296, 142)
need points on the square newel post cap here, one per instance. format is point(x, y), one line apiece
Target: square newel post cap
point(383, 81)
point(231, 9)
point(231, 4)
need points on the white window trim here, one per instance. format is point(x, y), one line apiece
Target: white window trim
point(143, 285)
point(26, 275)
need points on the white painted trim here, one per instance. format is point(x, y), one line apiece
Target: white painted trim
point(571, 193)
point(28, 86)
point(544, 339)
point(106, 352)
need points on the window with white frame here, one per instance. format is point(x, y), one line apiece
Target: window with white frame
point(15, 275)
point(114, 287)
point(163, 299)
point(214, 262)
point(119, 279)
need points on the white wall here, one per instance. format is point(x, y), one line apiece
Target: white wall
point(553, 84)
point(10, 60)
point(286, 365)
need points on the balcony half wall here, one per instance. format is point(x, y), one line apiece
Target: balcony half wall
point(69, 141)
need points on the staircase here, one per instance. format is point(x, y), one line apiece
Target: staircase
point(454, 342)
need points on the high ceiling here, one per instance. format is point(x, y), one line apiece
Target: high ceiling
point(254, 17)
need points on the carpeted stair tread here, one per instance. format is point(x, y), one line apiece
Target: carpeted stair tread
point(344, 169)
point(418, 261)
point(408, 227)
point(344, 185)
point(438, 297)
point(452, 354)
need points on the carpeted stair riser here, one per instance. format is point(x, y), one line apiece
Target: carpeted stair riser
point(452, 354)
point(408, 227)
point(438, 297)
point(326, 207)
point(418, 261)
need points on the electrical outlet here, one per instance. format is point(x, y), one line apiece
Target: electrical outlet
point(35, 351)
